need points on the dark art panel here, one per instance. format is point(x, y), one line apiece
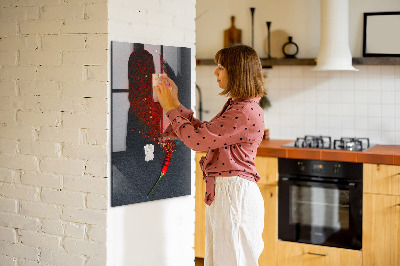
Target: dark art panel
point(141, 154)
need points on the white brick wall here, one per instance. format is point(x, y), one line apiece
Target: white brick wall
point(53, 127)
point(53, 120)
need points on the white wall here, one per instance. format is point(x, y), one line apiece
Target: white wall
point(158, 232)
point(299, 18)
point(338, 104)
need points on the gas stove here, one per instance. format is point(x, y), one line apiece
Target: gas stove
point(325, 142)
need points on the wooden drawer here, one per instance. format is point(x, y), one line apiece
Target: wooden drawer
point(381, 179)
point(298, 254)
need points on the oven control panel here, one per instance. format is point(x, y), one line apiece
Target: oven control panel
point(331, 169)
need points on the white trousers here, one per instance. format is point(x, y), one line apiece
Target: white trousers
point(234, 223)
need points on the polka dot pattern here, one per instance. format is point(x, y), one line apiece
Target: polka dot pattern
point(231, 139)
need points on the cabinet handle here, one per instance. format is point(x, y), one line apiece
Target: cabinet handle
point(398, 204)
point(318, 254)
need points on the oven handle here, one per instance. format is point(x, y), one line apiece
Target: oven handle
point(297, 181)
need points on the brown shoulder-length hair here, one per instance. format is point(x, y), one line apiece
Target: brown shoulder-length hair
point(245, 78)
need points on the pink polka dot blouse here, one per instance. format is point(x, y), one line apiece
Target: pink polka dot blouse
point(231, 139)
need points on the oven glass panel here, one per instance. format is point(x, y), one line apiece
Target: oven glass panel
point(323, 211)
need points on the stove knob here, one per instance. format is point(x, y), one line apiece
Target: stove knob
point(301, 166)
point(336, 169)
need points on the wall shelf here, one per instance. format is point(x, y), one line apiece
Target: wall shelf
point(376, 61)
point(266, 63)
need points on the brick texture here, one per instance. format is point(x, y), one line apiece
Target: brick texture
point(54, 79)
point(34, 239)
point(53, 227)
point(62, 258)
point(8, 234)
point(53, 121)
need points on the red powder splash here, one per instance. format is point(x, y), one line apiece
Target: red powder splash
point(169, 147)
point(149, 113)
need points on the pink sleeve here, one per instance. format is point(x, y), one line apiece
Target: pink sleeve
point(186, 113)
point(223, 131)
point(189, 115)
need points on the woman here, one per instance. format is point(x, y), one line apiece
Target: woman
point(235, 207)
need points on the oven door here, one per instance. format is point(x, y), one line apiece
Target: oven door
point(321, 212)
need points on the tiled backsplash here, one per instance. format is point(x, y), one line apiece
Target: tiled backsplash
point(365, 103)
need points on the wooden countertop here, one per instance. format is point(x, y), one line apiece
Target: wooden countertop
point(379, 154)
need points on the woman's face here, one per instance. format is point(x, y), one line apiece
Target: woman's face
point(222, 76)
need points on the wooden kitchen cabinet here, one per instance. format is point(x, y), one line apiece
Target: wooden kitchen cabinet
point(298, 254)
point(267, 168)
point(381, 215)
point(381, 230)
point(381, 179)
point(270, 233)
point(200, 207)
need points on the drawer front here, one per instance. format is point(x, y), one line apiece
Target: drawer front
point(381, 179)
point(293, 254)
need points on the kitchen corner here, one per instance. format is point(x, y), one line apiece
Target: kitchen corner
point(337, 207)
point(370, 206)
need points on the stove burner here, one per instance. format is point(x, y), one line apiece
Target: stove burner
point(351, 144)
point(308, 141)
point(324, 142)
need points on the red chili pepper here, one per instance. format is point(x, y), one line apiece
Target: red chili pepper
point(166, 164)
point(168, 149)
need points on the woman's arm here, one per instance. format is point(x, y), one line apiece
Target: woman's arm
point(224, 130)
point(167, 93)
point(186, 113)
point(228, 129)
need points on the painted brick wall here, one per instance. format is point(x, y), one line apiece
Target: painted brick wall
point(53, 137)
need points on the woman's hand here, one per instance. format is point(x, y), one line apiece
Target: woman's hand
point(164, 93)
point(174, 90)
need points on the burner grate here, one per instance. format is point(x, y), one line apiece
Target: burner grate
point(351, 144)
point(324, 142)
point(320, 142)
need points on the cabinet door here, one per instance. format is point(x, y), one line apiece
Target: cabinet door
point(270, 233)
point(267, 168)
point(297, 254)
point(381, 179)
point(200, 207)
point(381, 230)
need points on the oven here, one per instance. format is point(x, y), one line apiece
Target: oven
point(320, 202)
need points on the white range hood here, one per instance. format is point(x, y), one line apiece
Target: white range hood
point(334, 51)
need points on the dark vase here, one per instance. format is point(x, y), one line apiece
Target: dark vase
point(290, 49)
